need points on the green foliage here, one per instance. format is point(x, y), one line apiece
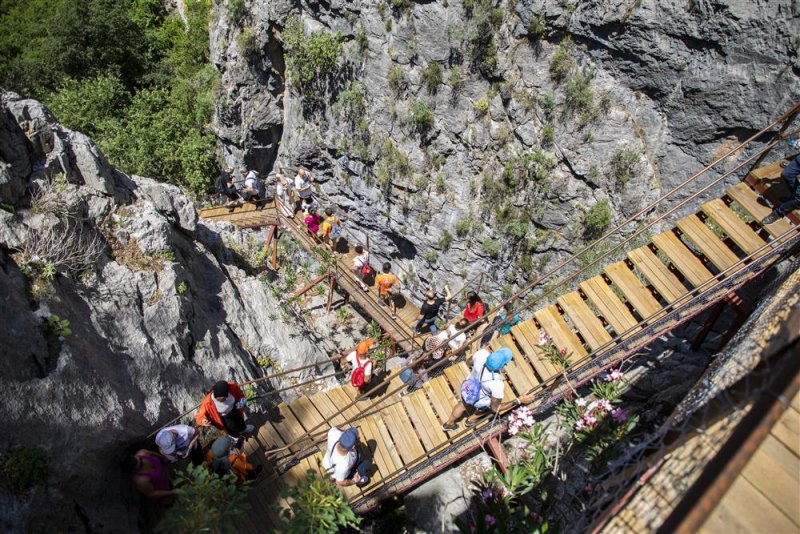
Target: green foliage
point(237, 11)
point(431, 256)
point(402, 4)
point(24, 468)
point(57, 326)
point(481, 106)
point(206, 503)
point(247, 42)
point(456, 78)
point(597, 219)
point(317, 506)
point(537, 27)
point(539, 163)
point(392, 164)
point(181, 288)
point(84, 105)
point(464, 226)
point(421, 118)
point(578, 94)
point(350, 103)
point(491, 246)
point(362, 41)
point(445, 241)
point(548, 103)
point(432, 77)
point(396, 80)
point(483, 49)
point(440, 184)
point(563, 60)
point(548, 135)
point(311, 59)
point(374, 330)
point(624, 164)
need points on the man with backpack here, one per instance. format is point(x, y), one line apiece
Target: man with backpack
point(253, 188)
point(361, 365)
point(180, 441)
point(331, 228)
point(361, 266)
point(388, 288)
point(225, 186)
point(343, 460)
point(482, 391)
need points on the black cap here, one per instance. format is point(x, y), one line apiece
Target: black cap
point(220, 389)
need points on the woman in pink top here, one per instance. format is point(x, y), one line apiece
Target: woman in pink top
point(313, 220)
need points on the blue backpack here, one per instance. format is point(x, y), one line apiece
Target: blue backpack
point(471, 389)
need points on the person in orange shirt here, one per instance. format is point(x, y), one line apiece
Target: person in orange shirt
point(223, 408)
point(331, 228)
point(388, 286)
point(223, 457)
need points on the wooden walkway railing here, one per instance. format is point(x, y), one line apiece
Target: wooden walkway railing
point(404, 436)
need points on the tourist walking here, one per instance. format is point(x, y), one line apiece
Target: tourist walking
point(501, 324)
point(791, 176)
point(474, 310)
point(282, 189)
point(331, 228)
point(343, 459)
point(226, 186)
point(388, 288)
point(223, 407)
point(482, 391)
point(361, 364)
point(253, 189)
point(302, 185)
point(429, 311)
point(150, 476)
point(361, 266)
point(180, 441)
point(312, 222)
point(223, 457)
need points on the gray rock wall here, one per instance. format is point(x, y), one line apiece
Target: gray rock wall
point(159, 317)
point(674, 82)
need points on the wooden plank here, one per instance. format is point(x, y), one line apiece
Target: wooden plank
point(307, 414)
point(632, 288)
point(663, 280)
point(418, 420)
point(787, 429)
point(340, 400)
point(328, 408)
point(682, 258)
point(515, 371)
point(425, 411)
point(614, 311)
point(389, 445)
point(739, 231)
point(405, 437)
point(380, 454)
point(562, 334)
point(523, 335)
point(522, 362)
point(709, 244)
point(290, 428)
point(270, 437)
point(775, 472)
point(748, 199)
point(584, 319)
point(745, 509)
point(441, 397)
point(456, 374)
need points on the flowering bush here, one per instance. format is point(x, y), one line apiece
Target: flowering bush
point(597, 423)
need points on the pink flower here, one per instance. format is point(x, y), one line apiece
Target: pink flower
point(490, 520)
point(580, 425)
point(580, 403)
point(604, 405)
point(590, 420)
point(544, 338)
point(620, 415)
point(563, 352)
point(614, 375)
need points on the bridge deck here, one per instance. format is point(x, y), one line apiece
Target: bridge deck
point(405, 433)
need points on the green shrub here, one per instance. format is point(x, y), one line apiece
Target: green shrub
point(537, 28)
point(24, 468)
point(388, 25)
point(539, 163)
point(483, 49)
point(396, 80)
point(362, 41)
point(495, 16)
point(421, 117)
point(206, 502)
point(431, 77)
point(247, 42)
point(316, 506)
point(312, 59)
point(548, 135)
point(431, 256)
point(182, 288)
point(469, 7)
point(237, 11)
point(464, 226)
point(440, 184)
point(548, 103)
point(402, 4)
point(481, 106)
point(350, 102)
point(491, 246)
point(624, 164)
point(578, 94)
point(445, 241)
point(597, 219)
point(84, 105)
point(563, 60)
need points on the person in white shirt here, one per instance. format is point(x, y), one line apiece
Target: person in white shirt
point(361, 259)
point(302, 185)
point(282, 187)
point(486, 369)
point(457, 340)
point(180, 441)
point(342, 460)
point(252, 187)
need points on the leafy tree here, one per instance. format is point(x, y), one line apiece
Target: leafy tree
point(317, 507)
point(83, 105)
point(312, 59)
point(206, 503)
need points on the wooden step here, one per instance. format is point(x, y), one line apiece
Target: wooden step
point(632, 288)
point(748, 199)
point(527, 337)
point(709, 244)
point(584, 319)
point(562, 334)
point(739, 231)
point(614, 311)
point(403, 433)
point(682, 258)
point(658, 274)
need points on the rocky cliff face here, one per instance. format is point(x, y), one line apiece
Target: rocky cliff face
point(156, 316)
point(541, 111)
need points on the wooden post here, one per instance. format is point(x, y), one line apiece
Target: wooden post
point(498, 453)
point(331, 285)
point(274, 233)
point(309, 287)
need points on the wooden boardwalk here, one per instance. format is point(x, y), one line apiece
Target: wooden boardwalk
point(405, 433)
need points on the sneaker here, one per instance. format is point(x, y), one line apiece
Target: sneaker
point(381, 303)
point(394, 315)
point(449, 427)
point(363, 482)
point(469, 423)
point(763, 201)
point(771, 218)
point(248, 429)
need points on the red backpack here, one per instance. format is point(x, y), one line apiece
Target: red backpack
point(357, 376)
